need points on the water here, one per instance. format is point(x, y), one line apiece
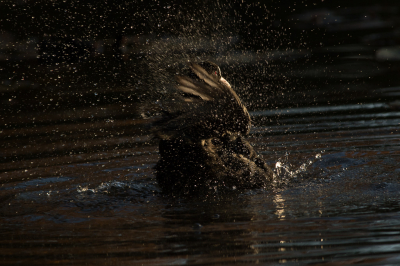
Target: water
point(68, 197)
point(76, 161)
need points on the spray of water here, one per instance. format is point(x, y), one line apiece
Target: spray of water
point(285, 172)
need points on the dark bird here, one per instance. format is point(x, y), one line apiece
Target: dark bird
point(202, 140)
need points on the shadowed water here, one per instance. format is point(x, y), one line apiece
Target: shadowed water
point(69, 197)
point(77, 184)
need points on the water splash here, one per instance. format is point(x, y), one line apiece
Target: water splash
point(284, 171)
point(115, 188)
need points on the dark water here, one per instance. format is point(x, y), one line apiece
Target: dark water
point(77, 185)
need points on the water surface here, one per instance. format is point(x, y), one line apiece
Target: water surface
point(76, 161)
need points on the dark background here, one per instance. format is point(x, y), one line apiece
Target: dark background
point(88, 21)
point(98, 20)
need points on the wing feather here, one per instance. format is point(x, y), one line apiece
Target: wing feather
point(217, 110)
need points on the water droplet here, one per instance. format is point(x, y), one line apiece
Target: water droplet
point(197, 226)
point(215, 216)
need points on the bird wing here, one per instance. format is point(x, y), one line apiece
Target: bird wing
point(219, 109)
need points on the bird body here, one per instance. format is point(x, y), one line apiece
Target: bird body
point(202, 144)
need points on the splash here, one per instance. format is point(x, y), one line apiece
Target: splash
point(117, 188)
point(285, 172)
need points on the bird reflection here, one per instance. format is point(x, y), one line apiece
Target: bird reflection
point(202, 145)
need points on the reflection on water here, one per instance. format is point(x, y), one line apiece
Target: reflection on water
point(280, 206)
point(76, 161)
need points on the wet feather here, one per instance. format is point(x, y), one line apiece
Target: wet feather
point(202, 140)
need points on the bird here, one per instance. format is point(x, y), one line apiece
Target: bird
point(202, 140)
